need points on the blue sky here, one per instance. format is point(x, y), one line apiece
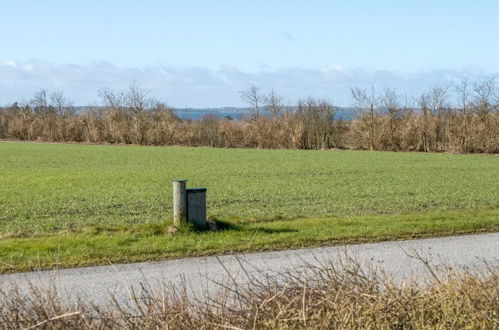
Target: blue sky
point(200, 53)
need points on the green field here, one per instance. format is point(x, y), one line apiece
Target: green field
point(55, 194)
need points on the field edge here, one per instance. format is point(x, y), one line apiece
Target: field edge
point(101, 245)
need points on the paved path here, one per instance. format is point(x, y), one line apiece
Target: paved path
point(95, 283)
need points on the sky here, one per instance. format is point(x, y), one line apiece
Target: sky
point(202, 53)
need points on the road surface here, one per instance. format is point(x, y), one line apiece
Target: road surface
point(95, 283)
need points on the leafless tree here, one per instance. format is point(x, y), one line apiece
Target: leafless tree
point(485, 96)
point(114, 114)
point(111, 99)
point(439, 105)
point(435, 108)
point(39, 102)
point(273, 103)
point(252, 96)
point(424, 105)
point(438, 101)
point(61, 104)
point(463, 92)
point(137, 102)
point(136, 98)
point(317, 117)
point(465, 112)
point(485, 106)
point(366, 101)
point(390, 102)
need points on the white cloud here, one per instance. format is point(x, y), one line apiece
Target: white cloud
point(201, 87)
point(28, 67)
point(12, 64)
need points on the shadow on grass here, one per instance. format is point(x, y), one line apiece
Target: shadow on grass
point(217, 225)
point(220, 225)
point(214, 225)
point(276, 231)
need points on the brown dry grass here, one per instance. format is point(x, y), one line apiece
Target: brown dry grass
point(386, 121)
point(309, 128)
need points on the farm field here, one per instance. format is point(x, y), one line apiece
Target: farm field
point(68, 204)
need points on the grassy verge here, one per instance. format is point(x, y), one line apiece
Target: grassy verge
point(97, 245)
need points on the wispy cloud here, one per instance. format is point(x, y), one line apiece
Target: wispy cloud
point(12, 64)
point(201, 87)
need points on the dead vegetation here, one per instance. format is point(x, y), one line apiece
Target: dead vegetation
point(329, 296)
point(386, 121)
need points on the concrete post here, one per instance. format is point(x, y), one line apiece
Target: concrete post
point(196, 207)
point(179, 202)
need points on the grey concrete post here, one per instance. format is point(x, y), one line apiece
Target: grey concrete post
point(179, 202)
point(196, 207)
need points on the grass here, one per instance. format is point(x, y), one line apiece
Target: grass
point(114, 244)
point(70, 205)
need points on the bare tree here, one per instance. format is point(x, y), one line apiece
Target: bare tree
point(136, 99)
point(137, 103)
point(317, 117)
point(464, 110)
point(424, 105)
point(115, 116)
point(111, 99)
point(390, 102)
point(485, 96)
point(273, 103)
point(252, 96)
point(435, 111)
point(463, 97)
point(439, 105)
point(367, 101)
point(39, 102)
point(438, 97)
point(61, 104)
point(485, 106)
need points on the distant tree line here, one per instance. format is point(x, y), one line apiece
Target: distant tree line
point(462, 118)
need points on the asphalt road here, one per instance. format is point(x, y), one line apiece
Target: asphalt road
point(200, 274)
